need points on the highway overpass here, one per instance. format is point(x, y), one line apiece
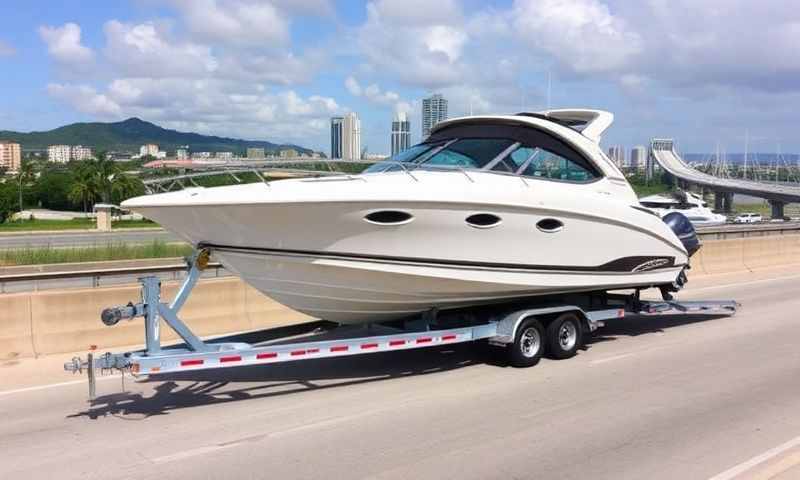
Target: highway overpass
point(662, 151)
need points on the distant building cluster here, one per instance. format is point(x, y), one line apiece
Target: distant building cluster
point(10, 155)
point(346, 130)
point(67, 153)
point(255, 153)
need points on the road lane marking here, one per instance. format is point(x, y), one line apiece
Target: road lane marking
point(610, 359)
point(737, 470)
point(52, 385)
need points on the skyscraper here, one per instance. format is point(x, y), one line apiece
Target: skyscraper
point(638, 157)
point(336, 137)
point(351, 137)
point(401, 133)
point(434, 110)
point(617, 155)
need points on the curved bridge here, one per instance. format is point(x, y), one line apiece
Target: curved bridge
point(663, 152)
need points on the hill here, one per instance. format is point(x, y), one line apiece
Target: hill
point(130, 134)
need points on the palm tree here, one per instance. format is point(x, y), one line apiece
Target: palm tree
point(25, 174)
point(84, 185)
point(124, 186)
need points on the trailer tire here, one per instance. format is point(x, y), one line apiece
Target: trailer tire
point(528, 345)
point(564, 336)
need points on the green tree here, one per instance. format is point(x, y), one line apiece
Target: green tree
point(25, 175)
point(84, 184)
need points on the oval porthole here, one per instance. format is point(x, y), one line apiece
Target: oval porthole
point(389, 217)
point(549, 225)
point(483, 220)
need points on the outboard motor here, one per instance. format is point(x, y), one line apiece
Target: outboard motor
point(684, 230)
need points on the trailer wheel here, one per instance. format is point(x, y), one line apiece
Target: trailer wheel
point(564, 336)
point(528, 344)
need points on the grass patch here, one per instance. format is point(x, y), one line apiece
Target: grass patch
point(36, 225)
point(111, 251)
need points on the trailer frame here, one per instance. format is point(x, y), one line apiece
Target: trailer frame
point(499, 325)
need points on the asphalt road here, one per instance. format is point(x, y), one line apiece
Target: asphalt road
point(73, 239)
point(657, 398)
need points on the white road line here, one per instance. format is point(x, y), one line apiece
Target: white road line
point(759, 459)
point(610, 359)
point(52, 385)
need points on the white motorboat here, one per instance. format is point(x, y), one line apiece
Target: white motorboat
point(689, 204)
point(488, 209)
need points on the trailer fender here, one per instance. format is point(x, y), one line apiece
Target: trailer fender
point(508, 325)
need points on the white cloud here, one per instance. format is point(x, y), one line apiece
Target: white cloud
point(581, 35)
point(243, 22)
point(64, 44)
point(446, 40)
point(406, 13)
point(6, 50)
point(146, 50)
point(374, 94)
point(85, 99)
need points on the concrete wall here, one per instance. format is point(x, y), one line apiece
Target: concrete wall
point(56, 321)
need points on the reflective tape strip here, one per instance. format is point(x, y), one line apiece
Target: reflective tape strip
point(424, 340)
point(448, 337)
point(397, 343)
point(262, 356)
point(297, 353)
point(189, 363)
point(232, 358)
point(340, 348)
point(365, 346)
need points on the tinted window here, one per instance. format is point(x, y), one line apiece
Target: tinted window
point(469, 152)
point(538, 162)
point(415, 153)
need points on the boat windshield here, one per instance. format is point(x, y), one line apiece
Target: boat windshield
point(500, 155)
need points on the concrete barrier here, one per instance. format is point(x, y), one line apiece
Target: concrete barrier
point(58, 321)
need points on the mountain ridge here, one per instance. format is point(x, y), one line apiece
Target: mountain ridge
point(133, 132)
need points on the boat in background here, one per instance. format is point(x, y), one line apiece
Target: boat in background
point(488, 209)
point(689, 204)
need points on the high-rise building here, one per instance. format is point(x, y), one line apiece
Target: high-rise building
point(401, 133)
point(434, 110)
point(336, 137)
point(617, 155)
point(150, 149)
point(10, 155)
point(79, 152)
point(253, 152)
point(182, 152)
point(59, 153)
point(351, 137)
point(638, 157)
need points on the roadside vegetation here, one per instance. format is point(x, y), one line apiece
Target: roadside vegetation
point(37, 225)
point(111, 251)
point(74, 186)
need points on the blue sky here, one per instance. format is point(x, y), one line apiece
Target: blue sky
point(701, 72)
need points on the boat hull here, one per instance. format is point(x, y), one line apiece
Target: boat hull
point(353, 291)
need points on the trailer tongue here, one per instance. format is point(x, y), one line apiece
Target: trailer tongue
point(526, 330)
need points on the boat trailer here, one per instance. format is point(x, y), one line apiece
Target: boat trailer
point(525, 330)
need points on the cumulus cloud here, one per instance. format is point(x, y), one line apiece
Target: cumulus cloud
point(581, 35)
point(244, 22)
point(145, 49)
point(85, 99)
point(6, 50)
point(64, 44)
point(212, 106)
point(374, 94)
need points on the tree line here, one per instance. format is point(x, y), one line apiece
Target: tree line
point(77, 185)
